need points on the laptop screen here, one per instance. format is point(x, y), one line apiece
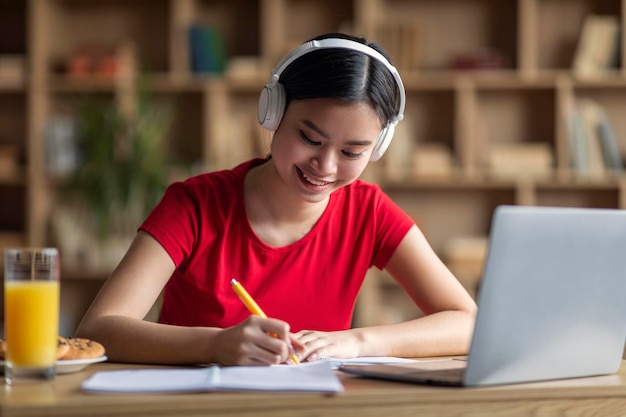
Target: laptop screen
point(551, 300)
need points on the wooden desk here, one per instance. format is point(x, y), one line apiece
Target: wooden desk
point(598, 396)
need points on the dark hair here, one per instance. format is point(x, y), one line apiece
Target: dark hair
point(343, 74)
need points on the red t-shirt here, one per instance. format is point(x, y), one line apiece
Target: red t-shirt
point(311, 284)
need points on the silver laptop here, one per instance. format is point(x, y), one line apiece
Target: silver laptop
point(551, 304)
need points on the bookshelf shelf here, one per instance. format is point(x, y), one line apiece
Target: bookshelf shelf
point(479, 75)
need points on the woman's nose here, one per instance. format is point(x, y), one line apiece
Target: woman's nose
point(325, 161)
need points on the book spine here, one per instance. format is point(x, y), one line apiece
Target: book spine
point(199, 58)
point(207, 50)
point(610, 147)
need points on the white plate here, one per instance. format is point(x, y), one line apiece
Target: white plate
point(75, 365)
point(71, 365)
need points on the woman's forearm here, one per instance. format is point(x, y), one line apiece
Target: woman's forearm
point(438, 334)
point(132, 340)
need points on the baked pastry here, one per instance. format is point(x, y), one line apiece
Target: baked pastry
point(62, 347)
point(80, 348)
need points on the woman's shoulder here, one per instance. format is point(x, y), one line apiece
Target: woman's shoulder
point(222, 179)
point(360, 190)
point(367, 199)
point(365, 186)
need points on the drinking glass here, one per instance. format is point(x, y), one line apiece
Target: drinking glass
point(31, 291)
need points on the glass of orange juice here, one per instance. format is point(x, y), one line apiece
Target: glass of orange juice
point(31, 315)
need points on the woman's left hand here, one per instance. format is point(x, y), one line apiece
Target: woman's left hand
point(341, 344)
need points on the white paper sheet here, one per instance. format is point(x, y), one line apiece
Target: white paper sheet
point(366, 360)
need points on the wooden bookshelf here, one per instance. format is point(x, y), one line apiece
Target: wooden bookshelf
point(523, 52)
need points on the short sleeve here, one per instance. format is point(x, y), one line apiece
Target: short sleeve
point(392, 225)
point(173, 222)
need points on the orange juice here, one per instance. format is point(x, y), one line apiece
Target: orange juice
point(31, 322)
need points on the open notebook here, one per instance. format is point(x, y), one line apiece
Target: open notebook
point(310, 377)
point(550, 306)
point(314, 376)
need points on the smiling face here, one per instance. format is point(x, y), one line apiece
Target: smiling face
point(323, 144)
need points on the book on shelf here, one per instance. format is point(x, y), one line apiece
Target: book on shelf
point(432, 160)
point(608, 139)
point(207, 49)
point(594, 146)
point(401, 40)
point(598, 46)
point(514, 160)
point(596, 166)
point(575, 137)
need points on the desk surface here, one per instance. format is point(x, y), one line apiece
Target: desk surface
point(602, 395)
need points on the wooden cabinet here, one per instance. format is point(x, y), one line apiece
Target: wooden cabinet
point(444, 166)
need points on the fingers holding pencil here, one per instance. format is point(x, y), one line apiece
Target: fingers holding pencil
point(255, 309)
point(278, 330)
point(250, 342)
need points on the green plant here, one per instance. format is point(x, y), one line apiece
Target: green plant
point(122, 171)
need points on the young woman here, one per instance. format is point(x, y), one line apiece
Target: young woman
point(298, 229)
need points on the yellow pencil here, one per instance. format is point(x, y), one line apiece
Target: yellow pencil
point(254, 308)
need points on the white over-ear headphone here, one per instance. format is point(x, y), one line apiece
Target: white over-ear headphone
point(272, 99)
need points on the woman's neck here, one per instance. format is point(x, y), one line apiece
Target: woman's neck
point(275, 215)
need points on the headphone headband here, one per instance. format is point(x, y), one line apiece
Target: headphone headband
point(273, 97)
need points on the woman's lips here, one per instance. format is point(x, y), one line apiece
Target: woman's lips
point(312, 181)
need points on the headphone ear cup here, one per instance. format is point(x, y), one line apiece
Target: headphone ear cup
point(383, 141)
point(271, 106)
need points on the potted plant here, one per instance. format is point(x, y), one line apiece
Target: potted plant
point(120, 177)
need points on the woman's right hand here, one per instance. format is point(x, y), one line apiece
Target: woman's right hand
point(254, 341)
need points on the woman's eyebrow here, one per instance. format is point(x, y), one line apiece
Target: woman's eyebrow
point(325, 135)
point(314, 127)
